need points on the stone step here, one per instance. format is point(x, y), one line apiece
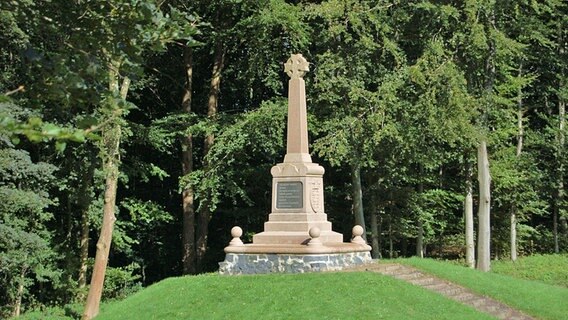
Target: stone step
point(296, 226)
point(283, 237)
point(422, 280)
point(409, 276)
point(436, 286)
point(452, 291)
point(476, 302)
point(305, 217)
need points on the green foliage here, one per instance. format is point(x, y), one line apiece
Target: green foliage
point(36, 130)
point(121, 282)
point(436, 207)
point(27, 256)
point(67, 312)
point(25, 259)
point(254, 137)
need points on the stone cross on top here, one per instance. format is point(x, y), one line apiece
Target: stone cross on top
point(296, 66)
point(297, 137)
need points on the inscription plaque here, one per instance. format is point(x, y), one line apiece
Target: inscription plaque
point(289, 195)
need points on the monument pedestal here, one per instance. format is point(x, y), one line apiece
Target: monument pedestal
point(297, 206)
point(297, 236)
point(314, 256)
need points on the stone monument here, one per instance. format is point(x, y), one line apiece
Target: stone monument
point(297, 236)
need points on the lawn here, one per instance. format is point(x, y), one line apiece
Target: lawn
point(302, 296)
point(536, 298)
point(551, 269)
point(360, 295)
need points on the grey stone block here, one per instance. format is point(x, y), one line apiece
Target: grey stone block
point(287, 263)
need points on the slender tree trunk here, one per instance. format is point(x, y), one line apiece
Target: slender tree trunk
point(357, 193)
point(188, 232)
point(560, 192)
point(483, 173)
point(84, 251)
point(420, 240)
point(111, 136)
point(391, 241)
point(375, 237)
point(520, 136)
point(375, 252)
point(484, 234)
point(379, 233)
point(468, 211)
point(204, 213)
point(19, 293)
point(513, 232)
point(420, 225)
point(84, 205)
point(560, 178)
point(214, 89)
point(391, 207)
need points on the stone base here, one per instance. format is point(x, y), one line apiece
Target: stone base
point(259, 263)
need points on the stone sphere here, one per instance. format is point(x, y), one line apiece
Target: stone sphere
point(357, 231)
point(315, 232)
point(236, 232)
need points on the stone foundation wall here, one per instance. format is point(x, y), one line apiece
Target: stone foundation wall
point(251, 263)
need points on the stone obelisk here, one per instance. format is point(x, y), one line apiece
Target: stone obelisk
point(297, 183)
point(297, 236)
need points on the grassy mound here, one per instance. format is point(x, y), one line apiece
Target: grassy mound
point(300, 296)
point(535, 298)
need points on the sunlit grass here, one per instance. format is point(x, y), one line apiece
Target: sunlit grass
point(538, 299)
point(299, 296)
point(551, 269)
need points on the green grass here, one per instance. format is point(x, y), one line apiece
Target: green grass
point(538, 299)
point(550, 269)
point(300, 296)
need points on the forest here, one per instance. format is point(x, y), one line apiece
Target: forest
point(154, 124)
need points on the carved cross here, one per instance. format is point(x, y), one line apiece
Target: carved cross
point(297, 66)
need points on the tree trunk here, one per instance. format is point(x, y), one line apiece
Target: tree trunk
point(560, 178)
point(468, 211)
point(84, 205)
point(420, 240)
point(214, 90)
point(357, 193)
point(84, 251)
point(560, 158)
point(19, 293)
point(514, 208)
point(111, 135)
point(483, 174)
point(204, 213)
point(420, 225)
point(513, 232)
point(391, 241)
point(484, 233)
point(188, 232)
point(376, 250)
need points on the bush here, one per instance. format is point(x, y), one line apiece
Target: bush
point(121, 282)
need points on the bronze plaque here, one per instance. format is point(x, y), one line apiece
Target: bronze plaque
point(289, 195)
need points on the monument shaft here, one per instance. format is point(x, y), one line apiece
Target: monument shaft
point(297, 137)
